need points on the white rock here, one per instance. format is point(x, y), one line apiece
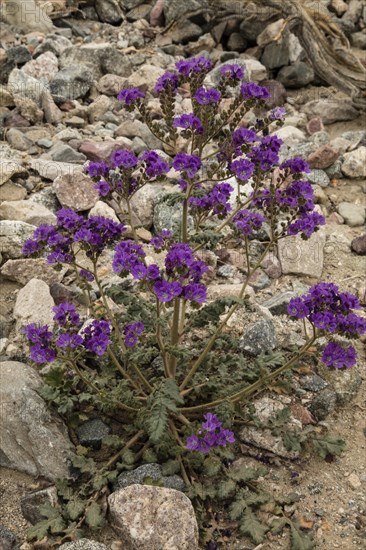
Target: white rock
point(102, 209)
point(34, 304)
point(354, 164)
point(26, 211)
point(290, 135)
point(50, 169)
point(299, 257)
point(13, 234)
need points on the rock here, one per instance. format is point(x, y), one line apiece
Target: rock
point(331, 110)
point(340, 145)
point(26, 211)
point(354, 164)
point(272, 266)
point(108, 11)
point(276, 54)
point(13, 235)
point(92, 432)
point(270, 33)
point(44, 68)
point(12, 192)
point(33, 440)
point(358, 245)
point(25, 86)
point(313, 383)
point(61, 152)
point(144, 75)
point(315, 125)
point(47, 198)
point(98, 108)
point(146, 472)
point(51, 170)
point(323, 404)
point(7, 539)
point(339, 6)
point(153, 518)
point(136, 128)
point(345, 383)
point(354, 481)
point(10, 168)
point(299, 257)
point(102, 209)
point(117, 63)
point(72, 82)
point(52, 113)
point(167, 214)
point(353, 214)
point(358, 40)
point(278, 93)
point(277, 305)
point(259, 338)
point(76, 191)
point(323, 157)
point(6, 97)
point(184, 31)
point(34, 304)
point(297, 75)
point(18, 55)
point(236, 42)
point(27, 16)
point(23, 270)
point(143, 203)
point(110, 84)
point(290, 135)
point(31, 503)
point(318, 177)
point(18, 140)
point(83, 544)
point(28, 109)
point(98, 151)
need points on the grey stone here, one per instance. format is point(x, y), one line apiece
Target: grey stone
point(297, 75)
point(18, 140)
point(61, 152)
point(34, 304)
point(83, 544)
point(13, 235)
point(92, 432)
point(353, 214)
point(108, 11)
point(26, 211)
point(76, 191)
point(175, 10)
point(313, 383)
point(31, 503)
point(153, 518)
point(277, 305)
point(10, 168)
point(7, 538)
point(259, 338)
point(50, 169)
point(331, 110)
point(27, 16)
point(23, 85)
point(18, 55)
point(33, 440)
point(167, 214)
point(276, 54)
point(73, 82)
point(43, 68)
point(12, 192)
point(236, 42)
point(45, 143)
point(299, 257)
point(354, 164)
point(344, 382)
point(152, 471)
point(23, 270)
point(323, 404)
point(358, 245)
point(116, 63)
point(358, 40)
point(318, 177)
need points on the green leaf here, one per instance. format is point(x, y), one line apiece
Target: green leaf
point(75, 508)
point(328, 445)
point(94, 517)
point(299, 540)
point(250, 525)
point(163, 400)
point(292, 440)
point(170, 467)
point(237, 507)
point(278, 525)
point(211, 466)
point(226, 488)
point(54, 523)
point(85, 465)
point(245, 474)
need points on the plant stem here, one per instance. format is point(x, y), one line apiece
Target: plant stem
point(159, 339)
point(174, 338)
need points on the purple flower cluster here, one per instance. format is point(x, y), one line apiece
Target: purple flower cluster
point(155, 165)
point(339, 357)
point(266, 154)
point(129, 258)
point(161, 241)
point(215, 435)
point(250, 90)
point(306, 224)
point(123, 158)
point(97, 169)
point(130, 95)
point(195, 65)
point(296, 165)
point(41, 338)
point(167, 81)
point(188, 164)
point(242, 136)
point(242, 168)
point(66, 315)
point(132, 333)
point(277, 113)
point(232, 72)
point(215, 201)
point(189, 122)
point(93, 235)
point(247, 222)
point(207, 97)
point(329, 310)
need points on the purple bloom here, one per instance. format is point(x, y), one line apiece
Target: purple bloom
point(153, 272)
point(195, 292)
point(187, 67)
point(130, 95)
point(68, 219)
point(189, 164)
point(67, 340)
point(212, 422)
point(103, 188)
point(250, 90)
point(124, 158)
point(232, 72)
point(242, 168)
point(96, 336)
point(206, 97)
point(306, 225)
point(247, 222)
point(132, 333)
point(159, 241)
point(40, 354)
point(97, 169)
point(215, 435)
point(155, 165)
point(66, 314)
point(266, 154)
point(165, 291)
point(87, 275)
point(190, 121)
point(296, 165)
point(38, 334)
point(297, 308)
point(30, 247)
point(167, 80)
point(339, 357)
point(277, 113)
point(193, 443)
point(216, 200)
point(243, 135)
point(128, 256)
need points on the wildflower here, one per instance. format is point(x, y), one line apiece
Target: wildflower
point(306, 225)
point(247, 222)
point(188, 67)
point(277, 113)
point(38, 334)
point(167, 80)
point(339, 357)
point(165, 291)
point(155, 165)
point(250, 90)
point(66, 315)
point(189, 121)
point(243, 135)
point(132, 333)
point(296, 165)
point(69, 340)
point(96, 336)
point(195, 292)
point(130, 95)
point(124, 158)
point(232, 72)
point(95, 169)
point(242, 168)
point(128, 257)
point(215, 435)
point(189, 164)
point(206, 97)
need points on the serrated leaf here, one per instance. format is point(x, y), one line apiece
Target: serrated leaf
point(300, 541)
point(245, 474)
point(94, 517)
point(237, 508)
point(75, 508)
point(250, 525)
point(54, 523)
point(278, 525)
point(85, 465)
point(163, 400)
point(170, 467)
point(128, 457)
point(211, 466)
point(226, 488)
point(328, 445)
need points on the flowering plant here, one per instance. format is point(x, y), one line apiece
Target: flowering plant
point(153, 365)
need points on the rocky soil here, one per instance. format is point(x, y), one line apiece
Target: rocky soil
point(58, 110)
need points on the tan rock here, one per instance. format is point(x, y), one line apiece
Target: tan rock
point(34, 304)
point(76, 191)
point(23, 270)
point(26, 211)
point(301, 257)
point(153, 518)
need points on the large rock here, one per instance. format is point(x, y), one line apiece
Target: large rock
point(358, 245)
point(83, 544)
point(33, 440)
point(72, 82)
point(76, 191)
point(259, 338)
point(26, 211)
point(23, 270)
point(34, 304)
point(61, 152)
point(27, 16)
point(144, 75)
point(331, 110)
point(44, 67)
point(108, 11)
point(153, 518)
point(354, 164)
point(353, 214)
point(13, 235)
point(323, 157)
point(299, 257)
point(110, 84)
point(24, 85)
point(51, 169)
point(276, 54)
point(10, 168)
point(148, 472)
point(297, 75)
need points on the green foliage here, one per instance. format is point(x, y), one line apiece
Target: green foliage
point(74, 508)
point(250, 525)
point(245, 474)
point(328, 445)
point(210, 313)
point(162, 401)
point(299, 540)
point(53, 523)
point(94, 516)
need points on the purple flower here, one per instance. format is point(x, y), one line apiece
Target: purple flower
point(215, 435)
point(38, 334)
point(266, 154)
point(297, 308)
point(189, 164)
point(216, 200)
point(247, 222)
point(277, 113)
point(40, 354)
point(97, 169)
point(187, 67)
point(68, 340)
point(195, 292)
point(124, 158)
point(296, 165)
point(66, 315)
point(132, 333)
point(31, 247)
point(167, 80)
point(193, 443)
point(339, 357)
point(159, 241)
point(87, 275)
point(130, 95)
point(306, 225)
point(68, 219)
point(191, 122)
point(103, 188)
point(212, 422)
point(155, 165)
point(206, 97)
point(243, 135)
point(232, 72)
point(250, 90)
point(153, 272)
point(165, 291)
point(96, 336)
point(242, 168)
point(128, 257)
